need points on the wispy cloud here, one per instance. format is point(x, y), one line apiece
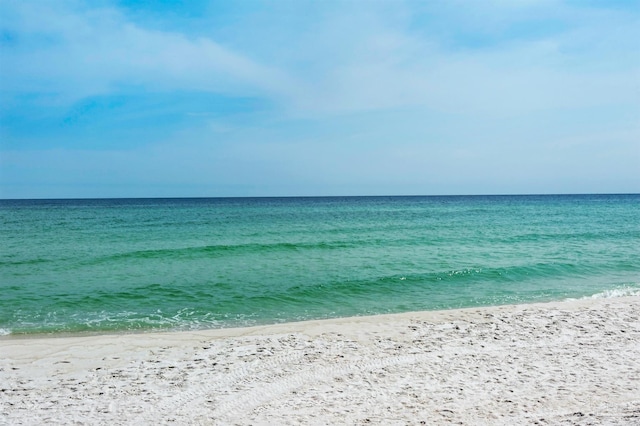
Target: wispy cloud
point(372, 58)
point(74, 51)
point(334, 97)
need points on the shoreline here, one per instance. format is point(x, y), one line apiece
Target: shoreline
point(618, 293)
point(524, 363)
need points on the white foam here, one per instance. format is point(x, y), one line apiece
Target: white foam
point(616, 292)
point(4, 332)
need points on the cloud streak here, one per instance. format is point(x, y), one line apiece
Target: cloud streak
point(77, 52)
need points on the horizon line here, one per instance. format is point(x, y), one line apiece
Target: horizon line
point(319, 196)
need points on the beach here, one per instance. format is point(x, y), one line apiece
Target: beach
point(571, 362)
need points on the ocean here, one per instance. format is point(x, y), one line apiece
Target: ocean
point(124, 265)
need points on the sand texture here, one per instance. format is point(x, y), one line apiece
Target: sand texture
point(559, 363)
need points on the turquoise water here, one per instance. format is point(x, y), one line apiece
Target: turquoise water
point(141, 264)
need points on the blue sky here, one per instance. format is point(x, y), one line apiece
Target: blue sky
point(277, 98)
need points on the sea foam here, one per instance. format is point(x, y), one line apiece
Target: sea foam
point(616, 292)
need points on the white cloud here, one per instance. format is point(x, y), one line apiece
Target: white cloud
point(586, 63)
point(80, 52)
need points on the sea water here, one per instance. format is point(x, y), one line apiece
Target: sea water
point(174, 264)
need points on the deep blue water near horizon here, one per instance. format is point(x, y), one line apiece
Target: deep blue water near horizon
point(103, 265)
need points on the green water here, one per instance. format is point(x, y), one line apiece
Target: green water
point(111, 265)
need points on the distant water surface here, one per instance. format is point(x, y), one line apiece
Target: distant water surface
point(141, 264)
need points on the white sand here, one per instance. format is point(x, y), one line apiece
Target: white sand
point(558, 363)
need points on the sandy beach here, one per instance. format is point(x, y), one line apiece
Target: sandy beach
point(575, 362)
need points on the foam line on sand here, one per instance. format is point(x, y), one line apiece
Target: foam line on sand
point(572, 362)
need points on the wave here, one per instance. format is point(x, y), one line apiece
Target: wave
point(222, 249)
point(231, 292)
point(514, 273)
point(616, 292)
point(27, 262)
point(448, 284)
point(130, 311)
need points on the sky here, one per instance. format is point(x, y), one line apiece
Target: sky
point(312, 98)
